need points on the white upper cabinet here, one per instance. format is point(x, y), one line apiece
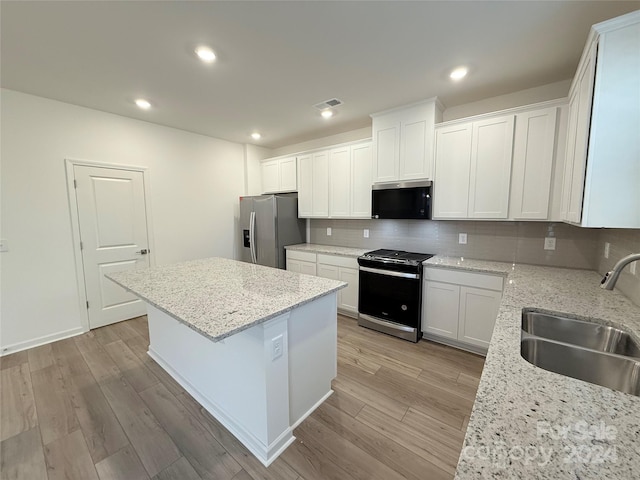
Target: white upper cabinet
point(403, 142)
point(578, 136)
point(279, 175)
point(335, 183)
point(288, 174)
point(361, 180)
point(505, 165)
point(270, 176)
point(305, 185)
point(320, 184)
point(602, 174)
point(350, 181)
point(386, 146)
point(491, 154)
point(313, 185)
point(340, 182)
point(453, 167)
point(533, 156)
point(473, 169)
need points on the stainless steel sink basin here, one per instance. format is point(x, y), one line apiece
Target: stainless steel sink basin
point(577, 332)
point(609, 370)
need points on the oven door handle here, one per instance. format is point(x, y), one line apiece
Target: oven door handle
point(390, 273)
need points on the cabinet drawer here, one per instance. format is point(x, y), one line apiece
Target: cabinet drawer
point(304, 256)
point(338, 261)
point(478, 280)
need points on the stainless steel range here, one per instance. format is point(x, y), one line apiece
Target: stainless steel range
point(390, 296)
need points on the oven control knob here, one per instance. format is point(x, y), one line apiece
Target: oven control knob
point(404, 308)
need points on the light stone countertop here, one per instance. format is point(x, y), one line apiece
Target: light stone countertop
point(531, 423)
point(218, 297)
point(328, 249)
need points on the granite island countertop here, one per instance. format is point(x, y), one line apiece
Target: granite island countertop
point(218, 297)
point(531, 423)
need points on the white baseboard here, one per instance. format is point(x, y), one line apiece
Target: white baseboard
point(36, 342)
point(266, 454)
point(455, 344)
point(311, 410)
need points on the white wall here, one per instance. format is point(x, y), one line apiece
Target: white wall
point(551, 91)
point(253, 174)
point(195, 185)
point(350, 136)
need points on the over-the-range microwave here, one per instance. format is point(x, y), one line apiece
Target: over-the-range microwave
point(402, 200)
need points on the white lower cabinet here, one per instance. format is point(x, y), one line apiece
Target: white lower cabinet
point(344, 269)
point(301, 262)
point(460, 308)
point(335, 267)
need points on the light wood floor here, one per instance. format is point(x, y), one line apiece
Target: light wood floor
point(97, 407)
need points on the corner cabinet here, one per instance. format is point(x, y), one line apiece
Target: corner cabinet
point(460, 308)
point(602, 171)
point(533, 164)
point(301, 262)
point(344, 269)
point(279, 175)
point(403, 142)
point(335, 267)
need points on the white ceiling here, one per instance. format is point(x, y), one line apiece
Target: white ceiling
point(277, 59)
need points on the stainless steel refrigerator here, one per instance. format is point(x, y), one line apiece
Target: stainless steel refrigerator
point(268, 223)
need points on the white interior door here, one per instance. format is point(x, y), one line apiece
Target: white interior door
point(113, 231)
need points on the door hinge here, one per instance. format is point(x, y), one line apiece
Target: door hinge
point(75, 183)
point(87, 304)
point(81, 245)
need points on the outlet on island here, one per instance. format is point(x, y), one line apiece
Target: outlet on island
point(277, 347)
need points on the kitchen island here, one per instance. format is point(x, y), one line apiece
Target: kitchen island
point(254, 345)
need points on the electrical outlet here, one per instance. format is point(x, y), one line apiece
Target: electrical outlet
point(277, 347)
point(462, 238)
point(606, 249)
point(632, 267)
point(366, 233)
point(328, 231)
point(550, 243)
point(4, 245)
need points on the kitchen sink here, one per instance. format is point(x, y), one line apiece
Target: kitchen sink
point(580, 333)
point(608, 370)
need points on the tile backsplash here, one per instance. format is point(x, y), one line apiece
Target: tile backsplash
point(521, 242)
point(621, 243)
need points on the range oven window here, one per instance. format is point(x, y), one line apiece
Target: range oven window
point(390, 297)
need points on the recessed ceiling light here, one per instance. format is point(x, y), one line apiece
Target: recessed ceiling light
point(459, 73)
point(256, 136)
point(143, 104)
point(327, 113)
point(205, 54)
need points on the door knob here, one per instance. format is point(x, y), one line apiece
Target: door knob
point(144, 251)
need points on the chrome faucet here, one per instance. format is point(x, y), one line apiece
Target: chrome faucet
point(611, 277)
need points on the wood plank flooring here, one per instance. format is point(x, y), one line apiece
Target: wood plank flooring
point(98, 407)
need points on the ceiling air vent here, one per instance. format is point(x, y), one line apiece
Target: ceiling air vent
point(334, 102)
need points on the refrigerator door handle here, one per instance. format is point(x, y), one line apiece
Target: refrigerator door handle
point(252, 237)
